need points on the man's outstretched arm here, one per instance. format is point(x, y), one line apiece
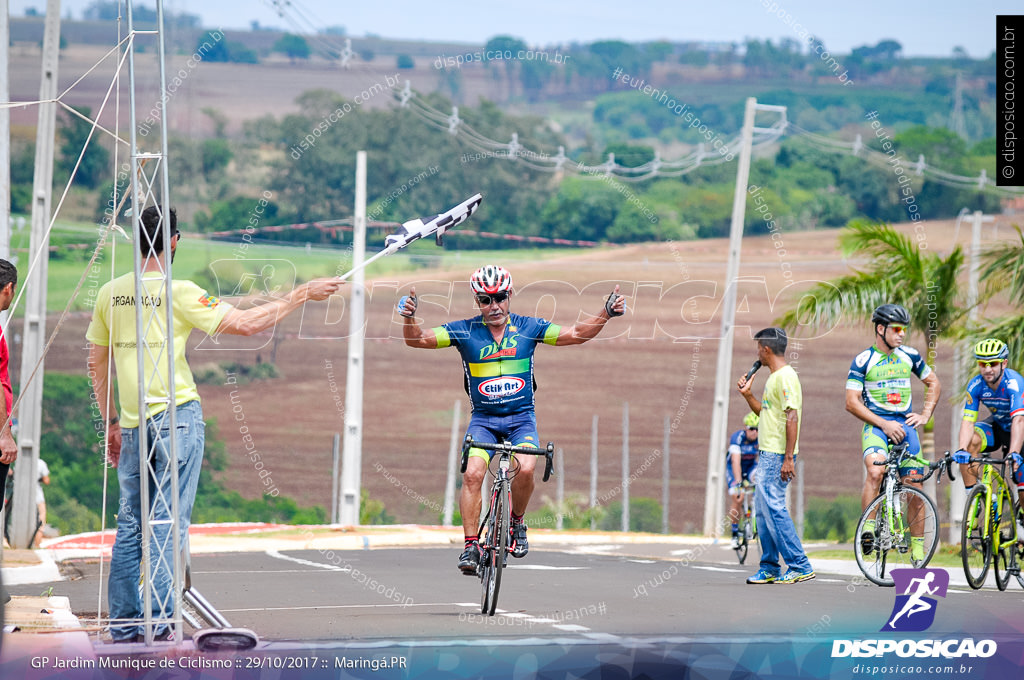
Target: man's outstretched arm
point(259, 318)
point(414, 335)
point(588, 329)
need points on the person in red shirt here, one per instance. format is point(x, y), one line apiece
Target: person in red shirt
point(8, 447)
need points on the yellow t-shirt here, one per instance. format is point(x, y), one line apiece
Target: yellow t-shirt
point(781, 392)
point(113, 321)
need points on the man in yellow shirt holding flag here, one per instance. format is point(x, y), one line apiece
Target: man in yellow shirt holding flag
point(113, 332)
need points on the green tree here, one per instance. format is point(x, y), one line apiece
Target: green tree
point(1004, 274)
point(405, 62)
point(95, 161)
point(293, 46)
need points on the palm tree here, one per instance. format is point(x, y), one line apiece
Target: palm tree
point(1004, 271)
point(899, 272)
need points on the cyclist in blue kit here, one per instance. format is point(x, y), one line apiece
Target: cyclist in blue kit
point(497, 356)
point(740, 461)
point(1001, 390)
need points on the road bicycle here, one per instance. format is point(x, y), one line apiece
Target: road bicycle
point(989, 534)
point(748, 521)
point(900, 527)
point(496, 524)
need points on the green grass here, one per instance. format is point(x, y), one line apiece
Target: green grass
point(197, 259)
point(947, 555)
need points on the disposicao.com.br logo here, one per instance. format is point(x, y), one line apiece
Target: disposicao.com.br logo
point(914, 611)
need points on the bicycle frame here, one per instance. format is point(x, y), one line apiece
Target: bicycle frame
point(996, 489)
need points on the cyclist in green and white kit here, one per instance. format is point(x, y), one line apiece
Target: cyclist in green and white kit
point(878, 392)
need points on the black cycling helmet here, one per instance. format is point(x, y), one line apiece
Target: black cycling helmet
point(889, 313)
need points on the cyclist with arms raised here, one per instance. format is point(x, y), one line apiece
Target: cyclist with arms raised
point(741, 459)
point(497, 356)
point(1001, 389)
point(878, 392)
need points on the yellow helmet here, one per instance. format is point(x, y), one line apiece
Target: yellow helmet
point(751, 419)
point(991, 349)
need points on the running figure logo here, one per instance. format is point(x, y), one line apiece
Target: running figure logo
point(914, 611)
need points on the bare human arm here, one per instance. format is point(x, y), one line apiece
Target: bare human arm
point(255, 319)
point(932, 390)
point(8, 447)
point(744, 384)
point(734, 460)
point(581, 331)
point(414, 335)
point(99, 365)
point(788, 471)
point(855, 405)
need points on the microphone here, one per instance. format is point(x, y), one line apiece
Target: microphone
point(752, 371)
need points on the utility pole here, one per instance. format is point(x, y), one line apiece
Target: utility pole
point(957, 495)
point(352, 456)
point(5, 140)
point(714, 501)
point(31, 409)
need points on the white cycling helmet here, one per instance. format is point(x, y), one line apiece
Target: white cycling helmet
point(490, 279)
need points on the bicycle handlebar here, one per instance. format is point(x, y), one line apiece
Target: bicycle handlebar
point(946, 462)
point(506, 447)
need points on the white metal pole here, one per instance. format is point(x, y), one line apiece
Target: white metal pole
point(593, 473)
point(723, 373)
point(453, 467)
point(5, 139)
point(31, 409)
point(957, 496)
point(559, 489)
point(665, 479)
point(335, 476)
point(351, 471)
point(625, 466)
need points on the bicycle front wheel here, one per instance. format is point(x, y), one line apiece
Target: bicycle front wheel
point(1005, 531)
point(904, 535)
point(1018, 545)
point(501, 524)
point(976, 543)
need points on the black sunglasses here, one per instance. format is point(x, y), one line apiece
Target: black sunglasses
point(752, 428)
point(497, 298)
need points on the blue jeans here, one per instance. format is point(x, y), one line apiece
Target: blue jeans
point(126, 557)
point(775, 528)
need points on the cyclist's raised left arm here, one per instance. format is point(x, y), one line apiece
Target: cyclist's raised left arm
point(588, 329)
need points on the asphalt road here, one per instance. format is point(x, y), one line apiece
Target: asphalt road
point(599, 593)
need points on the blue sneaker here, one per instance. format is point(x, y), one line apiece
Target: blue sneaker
point(762, 576)
point(794, 576)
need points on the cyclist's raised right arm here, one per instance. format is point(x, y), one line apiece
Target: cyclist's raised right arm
point(414, 335)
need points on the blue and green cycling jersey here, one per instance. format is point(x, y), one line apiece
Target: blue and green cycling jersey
point(499, 374)
point(884, 379)
point(1005, 402)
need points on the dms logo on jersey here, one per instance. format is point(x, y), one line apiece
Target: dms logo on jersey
point(916, 590)
point(501, 387)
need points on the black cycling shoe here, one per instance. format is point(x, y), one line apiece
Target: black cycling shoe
point(867, 542)
point(470, 559)
point(520, 546)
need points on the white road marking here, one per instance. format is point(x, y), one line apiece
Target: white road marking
point(731, 571)
point(318, 565)
point(642, 561)
point(543, 567)
point(571, 628)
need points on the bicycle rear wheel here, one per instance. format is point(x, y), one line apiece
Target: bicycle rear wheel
point(1005, 531)
point(501, 523)
point(975, 543)
point(904, 536)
